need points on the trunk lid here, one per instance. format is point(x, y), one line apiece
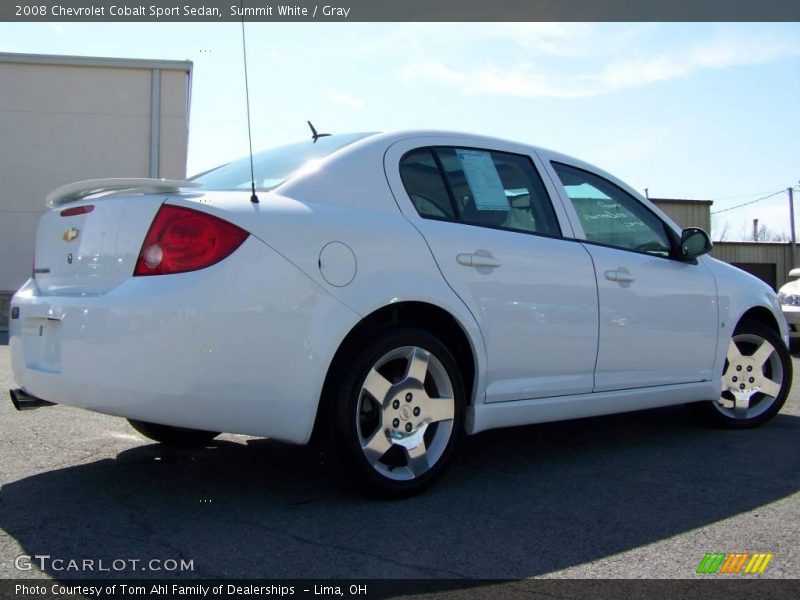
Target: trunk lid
point(92, 252)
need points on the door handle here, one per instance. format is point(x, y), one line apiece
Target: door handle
point(477, 260)
point(620, 275)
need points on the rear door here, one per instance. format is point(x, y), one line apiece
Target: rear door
point(499, 241)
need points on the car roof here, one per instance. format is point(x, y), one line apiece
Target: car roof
point(391, 137)
point(388, 138)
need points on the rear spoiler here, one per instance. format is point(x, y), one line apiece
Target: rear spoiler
point(140, 185)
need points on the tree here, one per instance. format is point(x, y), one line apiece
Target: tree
point(720, 230)
point(764, 234)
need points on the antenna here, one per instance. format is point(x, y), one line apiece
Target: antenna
point(314, 135)
point(253, 197)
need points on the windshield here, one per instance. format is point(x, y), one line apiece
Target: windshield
point(273, 167)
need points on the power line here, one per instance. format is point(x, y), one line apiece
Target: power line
point(737, 197)
point(716, 212)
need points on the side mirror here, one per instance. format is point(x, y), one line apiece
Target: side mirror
point(794, 273)
point(695, 242)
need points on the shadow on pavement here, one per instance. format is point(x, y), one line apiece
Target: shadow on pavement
point(516, 503)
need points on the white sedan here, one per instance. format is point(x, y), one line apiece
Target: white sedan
point(789, 296)
point(380, 295)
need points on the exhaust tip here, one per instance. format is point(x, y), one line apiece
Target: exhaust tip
point(24, 401)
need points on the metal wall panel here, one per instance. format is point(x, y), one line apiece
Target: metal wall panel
point(757, 253)
point(687, 213)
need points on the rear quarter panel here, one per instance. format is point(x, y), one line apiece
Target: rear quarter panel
point(349, 202)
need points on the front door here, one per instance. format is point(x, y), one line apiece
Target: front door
point(658, 314)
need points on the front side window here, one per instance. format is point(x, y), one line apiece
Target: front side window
point(611, 216)
point(479, 187)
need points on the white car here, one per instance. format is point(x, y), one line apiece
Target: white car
point(382, 294)
point(789, 297)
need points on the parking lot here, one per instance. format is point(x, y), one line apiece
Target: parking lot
point(642, 495)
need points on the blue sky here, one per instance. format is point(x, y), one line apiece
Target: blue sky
point(687, 110)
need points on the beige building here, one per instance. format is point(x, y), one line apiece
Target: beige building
point(687, 213)
point(69, 118)
point(769, 261)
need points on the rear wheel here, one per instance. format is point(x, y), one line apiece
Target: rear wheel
point(755, 379)
point(397, 412)
point(173, 436)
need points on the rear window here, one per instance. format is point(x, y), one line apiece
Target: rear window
point(273, 167)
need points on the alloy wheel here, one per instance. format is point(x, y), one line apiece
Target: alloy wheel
point(405, 413)
point(752, 379)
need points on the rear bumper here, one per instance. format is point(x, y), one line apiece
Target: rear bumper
point(240, 347)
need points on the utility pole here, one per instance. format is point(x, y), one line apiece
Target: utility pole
point(790, 191)
point(755, 230)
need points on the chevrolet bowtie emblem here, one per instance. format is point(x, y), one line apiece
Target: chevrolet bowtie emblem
point(71, 234)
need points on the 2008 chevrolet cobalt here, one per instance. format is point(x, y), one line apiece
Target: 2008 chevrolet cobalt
point(380, 295)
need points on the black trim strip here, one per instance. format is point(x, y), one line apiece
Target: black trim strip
point(445, 179)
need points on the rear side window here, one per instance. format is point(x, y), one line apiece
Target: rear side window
point(611, 216)
point(479, 187)
point(425, 186)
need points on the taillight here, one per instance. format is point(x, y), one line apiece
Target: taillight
point(181, 239)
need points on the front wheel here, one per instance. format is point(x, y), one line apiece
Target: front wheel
point(173, 436)
point(393, 422)
point(755, 379)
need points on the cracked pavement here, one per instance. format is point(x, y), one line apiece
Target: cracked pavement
point(641, 495)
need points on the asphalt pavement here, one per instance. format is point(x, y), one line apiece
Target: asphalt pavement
point(640, 495)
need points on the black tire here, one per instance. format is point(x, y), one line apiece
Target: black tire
point(173, 436)
point(762, 406)
point(348, 411)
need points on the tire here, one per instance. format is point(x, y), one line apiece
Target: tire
point(173, 436)
point(394, 414)
point(756, 379)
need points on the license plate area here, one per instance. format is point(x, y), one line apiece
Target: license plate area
point(42, 344)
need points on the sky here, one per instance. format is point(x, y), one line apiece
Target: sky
point(687, 110)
